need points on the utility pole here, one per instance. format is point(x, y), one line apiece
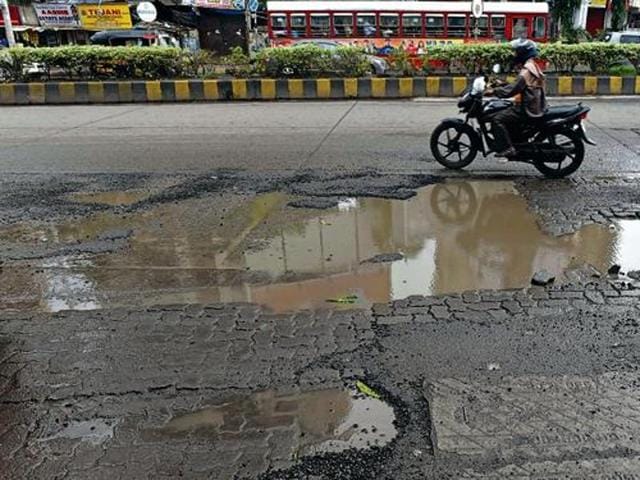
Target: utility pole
point(8, 28)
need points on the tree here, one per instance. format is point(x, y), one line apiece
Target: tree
point(562, 12)
point(618, 14)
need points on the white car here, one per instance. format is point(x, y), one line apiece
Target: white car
point(630, 36)
point(32, 71)
point(379, 66)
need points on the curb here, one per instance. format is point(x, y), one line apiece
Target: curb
point(169, 91)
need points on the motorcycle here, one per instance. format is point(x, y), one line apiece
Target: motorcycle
point(553, 144)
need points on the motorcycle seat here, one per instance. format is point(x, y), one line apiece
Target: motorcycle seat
point(563, 111)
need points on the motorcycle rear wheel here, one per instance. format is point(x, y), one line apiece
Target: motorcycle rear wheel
point(562, 153)
point(453, 145)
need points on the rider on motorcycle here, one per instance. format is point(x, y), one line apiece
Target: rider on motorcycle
point(530, 85)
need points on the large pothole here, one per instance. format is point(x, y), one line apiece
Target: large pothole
point(321, 421)
point(450, 237)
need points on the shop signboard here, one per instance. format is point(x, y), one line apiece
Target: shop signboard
point(220, 4)
point(147, 12)
point(108, 16)
point(598, 3)
point(57, 15)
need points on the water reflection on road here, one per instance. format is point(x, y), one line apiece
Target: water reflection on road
point(454, 237)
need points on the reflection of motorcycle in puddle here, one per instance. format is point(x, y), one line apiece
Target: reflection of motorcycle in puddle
point(489, 239)
point(453, 202)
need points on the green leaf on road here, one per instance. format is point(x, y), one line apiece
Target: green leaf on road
point(367, 390)
point(348, 299)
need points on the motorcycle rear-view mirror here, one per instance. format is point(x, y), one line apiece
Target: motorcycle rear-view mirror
point(479, 84)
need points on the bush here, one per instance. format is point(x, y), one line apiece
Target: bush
point(622, 71)
point(237, 62)
point(312, 61)
point(401, 63)
point(470, 58)
point(93, 62)
point(308, 61)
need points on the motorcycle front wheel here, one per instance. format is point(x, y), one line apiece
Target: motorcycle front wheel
point(560, 153)
point(453, 145)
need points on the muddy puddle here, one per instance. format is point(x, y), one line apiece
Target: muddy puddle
point(449, 238)
point(322, 421)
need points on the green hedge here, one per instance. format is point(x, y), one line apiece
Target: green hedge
point(594, 57)
point(312, 61)
point(82, 62)
point(93, 62)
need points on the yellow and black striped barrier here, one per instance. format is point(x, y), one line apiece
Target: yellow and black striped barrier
point(39, 93)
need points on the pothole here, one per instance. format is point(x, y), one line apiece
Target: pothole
point(317, 422)
point(450, 237)
point(94, 431)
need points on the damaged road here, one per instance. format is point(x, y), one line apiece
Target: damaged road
point(462, 359)
point(134, 393)
point(306, 321)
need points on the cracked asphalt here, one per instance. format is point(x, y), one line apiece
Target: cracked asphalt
point(495, 380)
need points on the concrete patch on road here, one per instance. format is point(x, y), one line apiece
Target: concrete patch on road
point(604, 469)
point(539, 418)
point(565, 206)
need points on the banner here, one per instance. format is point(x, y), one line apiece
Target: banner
point(56, 15)
point(112, 16)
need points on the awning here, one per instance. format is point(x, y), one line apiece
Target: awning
point(24, 28)
point(14, 14)
point(35, 28)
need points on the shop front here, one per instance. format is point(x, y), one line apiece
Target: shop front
point(597, 16)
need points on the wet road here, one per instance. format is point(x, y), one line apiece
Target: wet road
point(327, 311)
point(391, 135)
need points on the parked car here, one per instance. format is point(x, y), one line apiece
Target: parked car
point(379, 66)
point(31, 71)
point(134, 38)
point(629, 36)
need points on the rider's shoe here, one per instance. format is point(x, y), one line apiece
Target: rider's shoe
point(507, 154)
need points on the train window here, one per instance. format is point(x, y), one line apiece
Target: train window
point(480, 27)
point(411, 25)
point(498, 24)
point(519, 27)
point(298, 25)
point(279, 25)
point(457, 26)
point(539, 27)
point(366, 24)
point(320, 24)
point(435, 26)
point(343, 24)
point(389, 24)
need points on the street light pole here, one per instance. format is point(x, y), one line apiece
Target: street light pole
point(247, 25)
point(8, 28)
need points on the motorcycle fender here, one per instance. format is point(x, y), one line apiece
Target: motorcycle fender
point(457, 121)
point(583, 133)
